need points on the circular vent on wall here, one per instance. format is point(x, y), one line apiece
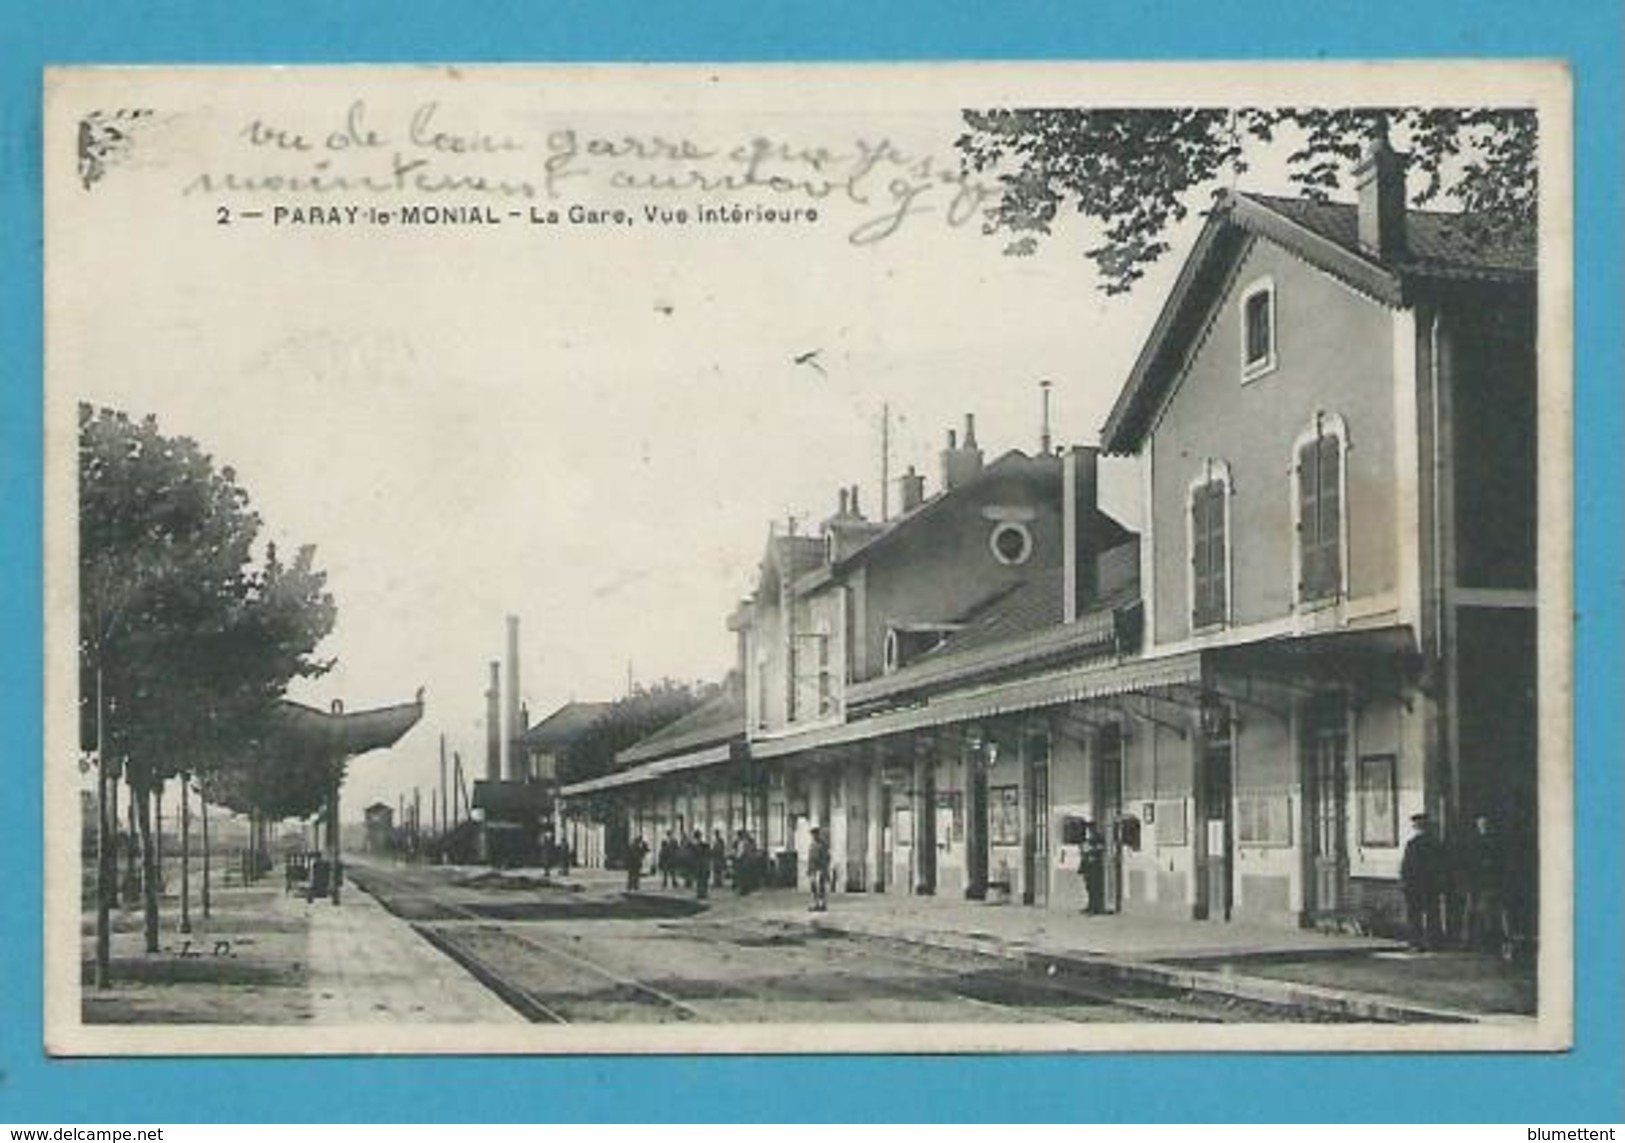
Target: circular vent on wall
point(1011, 542)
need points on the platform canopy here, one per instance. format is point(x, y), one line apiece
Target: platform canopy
point(293, 771)
point(337, 733)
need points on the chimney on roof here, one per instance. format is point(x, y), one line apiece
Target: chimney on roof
point(1380, 183)
point(912, 488)
point(1043, 432)
point(1080, 545)
point(843, 509)
point(856, 511)
point(961, 463)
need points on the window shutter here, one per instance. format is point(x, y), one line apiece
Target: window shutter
point(1199, 556)
point(1308, 520)
point(1331, 514)
point(1207, 555)
point(1217, 509)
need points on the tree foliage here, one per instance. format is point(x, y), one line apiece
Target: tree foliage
point(627, 721)
point(190, 641)
point(1138, 172)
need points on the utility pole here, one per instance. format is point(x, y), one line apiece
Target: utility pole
point(444, 815)
point(885, 462)
point(460, 794)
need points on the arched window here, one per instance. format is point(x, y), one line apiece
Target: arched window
point(1319, 493)
point(1208, 529)
point(1258, 329)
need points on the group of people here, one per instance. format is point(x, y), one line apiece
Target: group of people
point(555, 855)
point(1469, 893)
point(696, 862)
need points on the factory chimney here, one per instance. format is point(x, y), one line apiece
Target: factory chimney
point(513, 767)
point(493, 725)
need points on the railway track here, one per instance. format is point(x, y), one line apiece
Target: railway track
point(548, 982)
point(496, 954)
point(1067, 991)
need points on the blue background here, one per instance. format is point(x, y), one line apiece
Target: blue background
point(1582, 1085)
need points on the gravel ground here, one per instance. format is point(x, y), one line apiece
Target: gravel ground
point(257, 976)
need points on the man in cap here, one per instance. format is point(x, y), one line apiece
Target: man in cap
point(1421, 873)
point(818, 870)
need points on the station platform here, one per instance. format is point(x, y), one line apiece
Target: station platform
point(1337, 973)
point(368, 967)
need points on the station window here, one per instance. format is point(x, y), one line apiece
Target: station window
point(1318, 476)
point(1209, 530)
point(1258, 329)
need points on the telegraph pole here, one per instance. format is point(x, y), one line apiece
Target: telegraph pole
point(885, 462)
point(447, 821)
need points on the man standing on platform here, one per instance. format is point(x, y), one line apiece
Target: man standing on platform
point(818, 870)
point(1421, 873)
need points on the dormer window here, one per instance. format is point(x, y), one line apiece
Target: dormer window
point(1258, 329)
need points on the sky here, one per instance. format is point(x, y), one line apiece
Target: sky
point(590, 426)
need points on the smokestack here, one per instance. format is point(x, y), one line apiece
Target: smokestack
point(1043, 432)
point(961, 463)
point(912, 489)
point(1380, 183)
point(1078, 504)
point(493, 725)
point(514, 762)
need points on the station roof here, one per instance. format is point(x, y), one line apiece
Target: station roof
point(1440, 247)
point(559, 729)
point(300, 728)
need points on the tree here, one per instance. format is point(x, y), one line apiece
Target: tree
point(627, 721)
point(1137, 172)
point(184, 645)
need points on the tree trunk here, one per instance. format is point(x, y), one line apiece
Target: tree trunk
point(132, 874)
point(158, 836)
point(333, 839)
point(149, 866)
point(186, 851)
point(203, 820)
point(109, 823)
point(251, 872)
point(106, 872)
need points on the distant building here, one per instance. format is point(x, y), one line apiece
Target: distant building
point(380, 828)
point(544, 746)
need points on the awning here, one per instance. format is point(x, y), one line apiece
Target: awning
point(340, 733)
point(1346, 655)
point(650, 771)
point(1076, 685)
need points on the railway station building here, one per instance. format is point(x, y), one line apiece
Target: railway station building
point(1326, 624)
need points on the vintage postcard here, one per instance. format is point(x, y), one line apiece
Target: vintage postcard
point(798, 558)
